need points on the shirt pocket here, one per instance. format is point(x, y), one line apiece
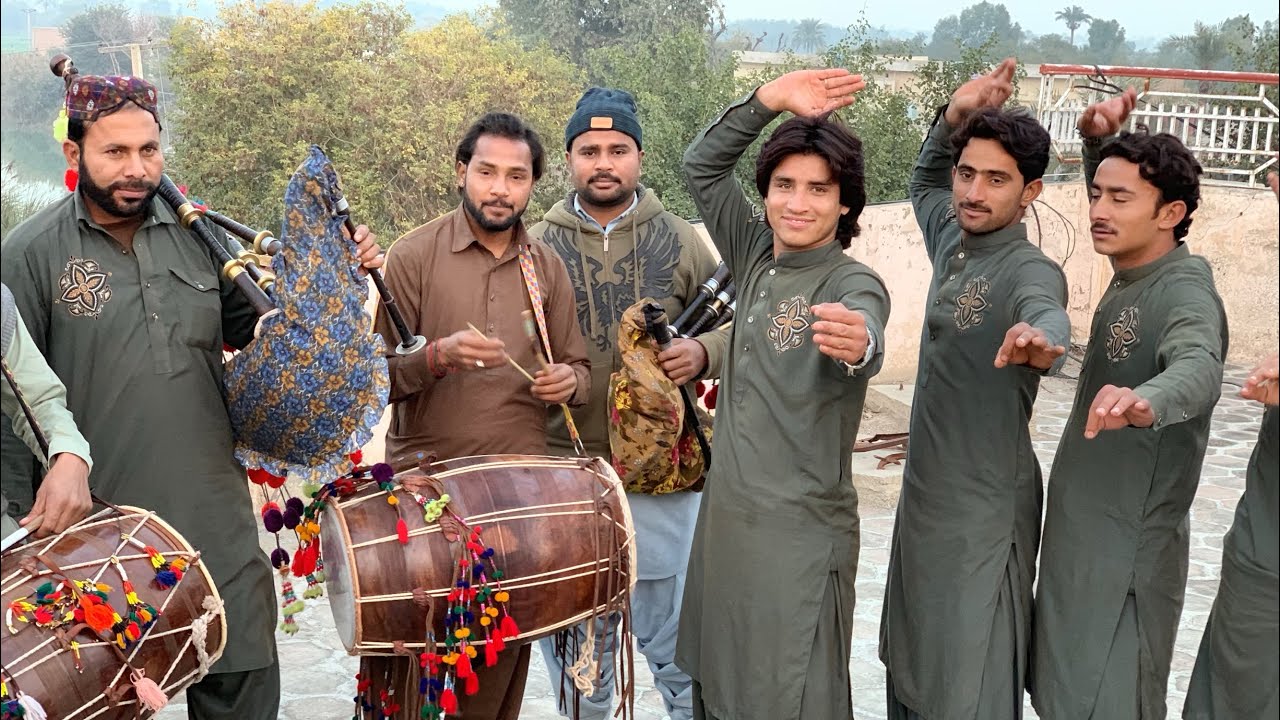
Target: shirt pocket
point(197, 303)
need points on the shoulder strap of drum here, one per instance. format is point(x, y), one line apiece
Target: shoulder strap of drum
point(535, 299)
point(26, 409)
point(8, 319)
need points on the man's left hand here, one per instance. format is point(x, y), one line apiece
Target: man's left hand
point(840, 333)
point(1117, 407)
point(367, 250)
point(684, 360)
point(556, 384)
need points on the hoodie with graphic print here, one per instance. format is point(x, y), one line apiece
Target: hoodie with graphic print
point(648, 252)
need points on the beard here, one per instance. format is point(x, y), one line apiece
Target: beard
point(104, 197)
point(493, 226)
point(621, 194)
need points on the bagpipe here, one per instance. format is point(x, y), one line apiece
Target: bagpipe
point(710, 309)
point(311, 386)
point(659, 437)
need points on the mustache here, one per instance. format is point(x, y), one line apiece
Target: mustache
point(498, 204)
point(974, 206)
point(138, 185)
point(1101, 226)
point(605, 176)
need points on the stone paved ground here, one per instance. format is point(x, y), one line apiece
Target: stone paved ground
point(318, 675)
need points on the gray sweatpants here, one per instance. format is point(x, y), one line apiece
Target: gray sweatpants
point(655, 617)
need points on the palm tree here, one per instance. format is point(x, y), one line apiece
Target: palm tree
point(810, 36)
point(1074, 17)
point(1207, 45)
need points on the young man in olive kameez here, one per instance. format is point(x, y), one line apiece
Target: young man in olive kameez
point(767, 617)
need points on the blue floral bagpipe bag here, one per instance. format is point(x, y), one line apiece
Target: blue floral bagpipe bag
point(311, 387)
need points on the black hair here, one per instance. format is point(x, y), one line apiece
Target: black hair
point(1017, 131)
point(1167, 164)
point(833, 142)
point(502, 125)
point(76, 129)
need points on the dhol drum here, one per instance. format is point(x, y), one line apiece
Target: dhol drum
point(560, 529)
point(97, 614)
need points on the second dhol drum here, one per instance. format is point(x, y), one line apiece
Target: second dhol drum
point(560, 530)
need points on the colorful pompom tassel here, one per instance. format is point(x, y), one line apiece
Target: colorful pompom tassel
point(289, 607)
point(402, 531)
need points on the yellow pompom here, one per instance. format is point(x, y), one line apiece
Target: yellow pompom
point(471, 651)
point(491, 611)
point(462, 633)
point(485, 620)
point(392, 500)
point(502, 596)
point(445, 498)
point(450, 659)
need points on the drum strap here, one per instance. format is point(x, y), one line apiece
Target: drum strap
point(26, 409)
point(535, 300)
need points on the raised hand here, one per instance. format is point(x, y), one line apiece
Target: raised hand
point(1263, 383)
point(1105, 118)
point(990, 90)
point(1116, 407)
point(810, 93)
point(1026, 345)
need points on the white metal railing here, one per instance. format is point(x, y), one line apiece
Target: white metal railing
point(1234, 135)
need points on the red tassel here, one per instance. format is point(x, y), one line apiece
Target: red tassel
point(499, 644)
point(357, 457)
point(274, 481)
point(508, 627)
point(490, 653)
point(449, 701)
point(464, 666)
point(70, 179)
point(402, 531)
point(473, 685)
point(710, 399)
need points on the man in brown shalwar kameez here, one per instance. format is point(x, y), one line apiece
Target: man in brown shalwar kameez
point(459, 396)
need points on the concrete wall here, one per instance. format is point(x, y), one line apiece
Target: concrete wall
point(1235, 229)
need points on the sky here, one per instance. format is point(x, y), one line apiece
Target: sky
point(1140, 18)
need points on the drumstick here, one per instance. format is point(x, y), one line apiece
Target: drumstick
point(531, 329)
point(510, 359)
point(17, 536)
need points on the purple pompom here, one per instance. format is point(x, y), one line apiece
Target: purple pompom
point(291, 518)
point(383, 472)
point(279, 558)
point(272, 520)
point(295, 504)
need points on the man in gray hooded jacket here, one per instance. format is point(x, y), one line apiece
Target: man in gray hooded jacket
point(621, 246)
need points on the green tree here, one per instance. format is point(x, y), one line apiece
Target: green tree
point(575, 27)
point(29, 101)
point(1073, 17)
point(261, 82)
point(105, 24)
point(1207, 45)
point(1107, 45)
point(1051, 48)
point(809, 36)
point(974, 26)
point(679, 87)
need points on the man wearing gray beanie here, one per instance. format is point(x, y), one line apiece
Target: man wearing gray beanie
point(621, 246)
